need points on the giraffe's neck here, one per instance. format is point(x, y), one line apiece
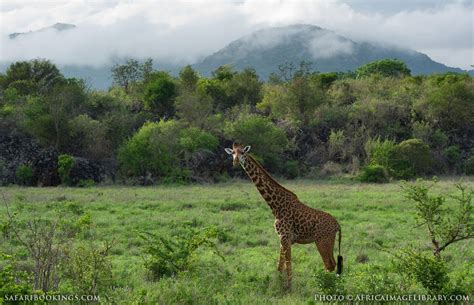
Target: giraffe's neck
point(276, 196)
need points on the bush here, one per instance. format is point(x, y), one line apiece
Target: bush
point(24, 173)
point(86, 183)
point(168, 256)
point(267, 139)
point(375, 279)
point(159, 149)
point(193, 139)
point(329, 283)
point(469, 165)
point(409, 159)
point(151, 150)
point(330, 169)
point(378, 151)
point(374, 174)
point(65, 164)
point(89, 269)
point(159, 94)
point(12, 281)
point(453, 157)
point(430, 272)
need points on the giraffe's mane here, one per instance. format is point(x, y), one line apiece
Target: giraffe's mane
point(270, 176)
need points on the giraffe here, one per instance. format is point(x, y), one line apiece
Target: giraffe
point(295, 222)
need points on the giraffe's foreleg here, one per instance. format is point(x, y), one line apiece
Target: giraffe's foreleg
point(281, 262)
point(286, 247)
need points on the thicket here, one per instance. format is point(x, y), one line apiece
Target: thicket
point(151, 126)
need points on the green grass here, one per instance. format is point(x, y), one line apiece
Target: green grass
point(373, 217)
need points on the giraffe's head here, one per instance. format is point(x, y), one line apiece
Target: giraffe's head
point(238, 153)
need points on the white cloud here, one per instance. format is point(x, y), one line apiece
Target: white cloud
point(184, 31)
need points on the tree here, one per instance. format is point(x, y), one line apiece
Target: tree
point(267, 140)
point(386, 68)
point(160, 92)
point(189, 78)
point(37, 75)
point(447, 104)
point(194, 108)
point(445, 225)
point(130, 73)
point(47, 116)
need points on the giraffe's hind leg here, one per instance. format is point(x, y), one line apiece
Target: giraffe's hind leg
point(326, 249)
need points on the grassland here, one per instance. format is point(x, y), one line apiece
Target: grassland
point(374, 218)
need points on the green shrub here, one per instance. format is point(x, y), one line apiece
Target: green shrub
point(89, 269)
point(292, 169)
point(153, 149)
point(158, 149)
point(266, 139)
point(374, 279)
point(12, 281)
point(24, 174)
point(378, 151)
point(65, 165)
point(425, 269)
point(193, 139)
point(409, 159)
point(168, 256)
point(453, 157)
point(469, 165)
point(329, 283)
point(374, 174)
point(86, 183)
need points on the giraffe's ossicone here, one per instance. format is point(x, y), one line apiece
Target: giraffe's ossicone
point(295, 222)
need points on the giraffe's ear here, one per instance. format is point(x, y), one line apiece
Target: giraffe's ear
point(229, 151)
point(247, 149)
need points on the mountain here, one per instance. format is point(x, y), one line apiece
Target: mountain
point(266, 49)
point(57, 27)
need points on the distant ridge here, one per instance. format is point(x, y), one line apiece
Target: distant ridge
point(266, 49)
point(57, 26)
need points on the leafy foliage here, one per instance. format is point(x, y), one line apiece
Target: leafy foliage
point(266, 139)
point(24, 173)
point(409, 159)
point(168, 256)
point(65, 165)
point(89, 269)
point(371, 116)
point(159, 94)
point(445, 226)
point(386, 67)
point(12, 281)
point(430, 272)
point(374, 174)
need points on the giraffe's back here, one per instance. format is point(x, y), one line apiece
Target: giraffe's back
point(309, 224)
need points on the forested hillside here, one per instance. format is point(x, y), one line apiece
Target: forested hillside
point(376, 123)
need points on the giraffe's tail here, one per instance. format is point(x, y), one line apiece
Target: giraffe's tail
point(339, 256)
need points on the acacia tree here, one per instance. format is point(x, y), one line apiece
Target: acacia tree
point(445, 226)
point(386, 67)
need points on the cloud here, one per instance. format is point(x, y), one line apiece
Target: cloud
point(184, 31)
point(327, 44)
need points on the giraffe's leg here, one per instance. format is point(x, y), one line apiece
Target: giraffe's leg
point(281, 262)
point(287, 249)
point(326, 248)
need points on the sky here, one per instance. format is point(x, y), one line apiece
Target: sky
point(184, 31)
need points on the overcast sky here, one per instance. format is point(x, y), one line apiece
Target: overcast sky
point(184, 31)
